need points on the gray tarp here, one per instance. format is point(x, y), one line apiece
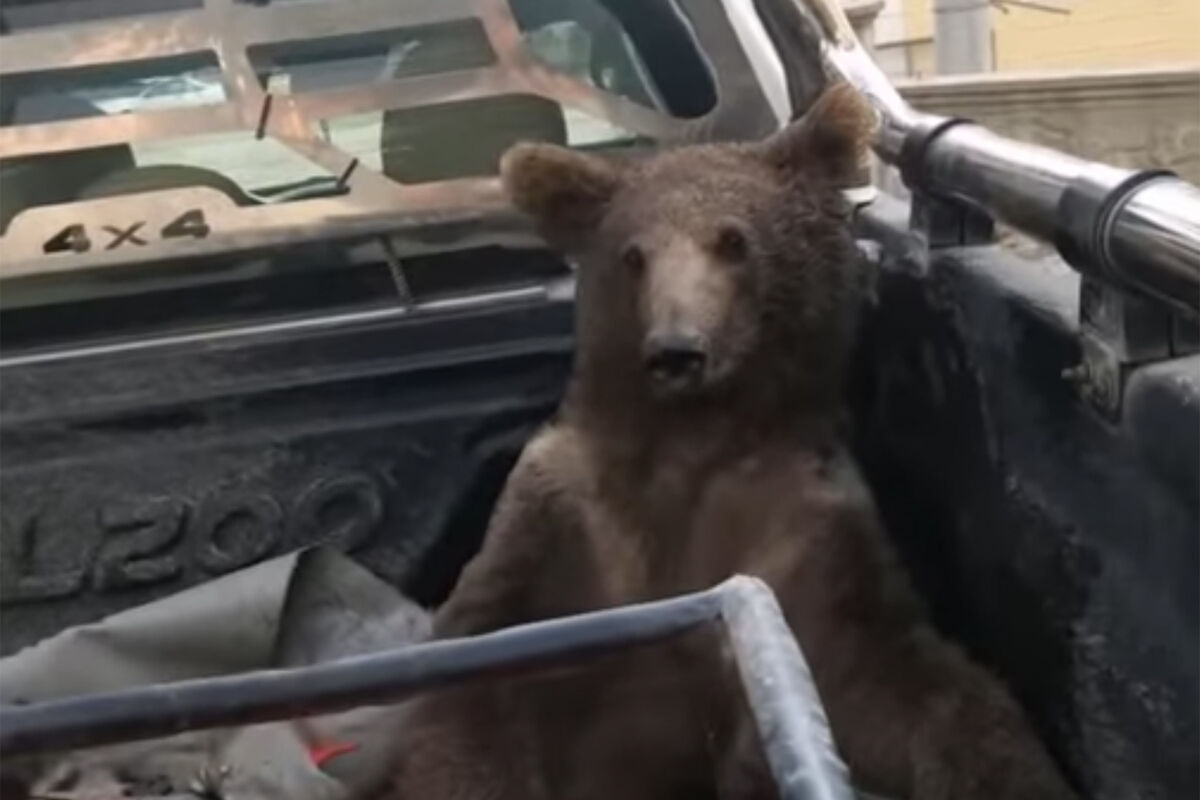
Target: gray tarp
point(299, 609)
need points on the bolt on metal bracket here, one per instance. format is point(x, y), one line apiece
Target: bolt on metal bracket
point(1118, 333)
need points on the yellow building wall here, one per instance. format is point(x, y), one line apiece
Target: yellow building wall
point(1097, 34)
point(918, 19)
point(924, 59)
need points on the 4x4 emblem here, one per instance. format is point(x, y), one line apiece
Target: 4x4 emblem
point(74, 237)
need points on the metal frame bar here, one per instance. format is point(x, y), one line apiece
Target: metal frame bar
point(782, 696)
point(229, 29)
point(1137, 230)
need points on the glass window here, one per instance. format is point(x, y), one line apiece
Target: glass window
point(642, 50)
point(189, 79)
point(587, 39)
point(25, 14)
point(464, 139)
point(338, 61)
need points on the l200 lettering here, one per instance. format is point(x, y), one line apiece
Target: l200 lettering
point(144, 542)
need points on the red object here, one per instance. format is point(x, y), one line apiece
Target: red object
point(319, 754)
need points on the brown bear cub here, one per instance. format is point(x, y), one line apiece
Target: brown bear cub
point(717, 292)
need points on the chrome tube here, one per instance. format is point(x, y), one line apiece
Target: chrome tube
point(1021, 184)
point(1156, 237)
point(1144, 233)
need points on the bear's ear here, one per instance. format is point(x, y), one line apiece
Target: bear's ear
point(565, 192)
point(830, 141)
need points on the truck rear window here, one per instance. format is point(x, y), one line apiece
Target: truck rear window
point(107, 104)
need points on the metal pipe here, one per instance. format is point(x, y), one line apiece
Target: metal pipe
point(783, 699)
point(1020, 183)
point(1156, 238)
point(1144, 233)
point(165, 709)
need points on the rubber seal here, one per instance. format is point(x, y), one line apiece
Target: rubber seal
point(1085, 214)
point(916, 146)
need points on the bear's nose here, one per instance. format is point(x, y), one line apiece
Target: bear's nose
point(675, 356)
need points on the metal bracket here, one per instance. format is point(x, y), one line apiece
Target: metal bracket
point(943, 221)
point(949, 223)
point(1120, 332)
point(396, 270)
point(1120, 329)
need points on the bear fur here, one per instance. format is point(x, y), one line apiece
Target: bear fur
point(717, 294)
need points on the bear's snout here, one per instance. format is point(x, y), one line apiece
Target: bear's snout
point(675, 359)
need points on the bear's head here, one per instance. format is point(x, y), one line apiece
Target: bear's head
point(713, 269)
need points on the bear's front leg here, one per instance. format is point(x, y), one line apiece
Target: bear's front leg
point(910, 713)
point(476, 742)
point(465, 744)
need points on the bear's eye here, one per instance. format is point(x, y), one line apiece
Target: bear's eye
point(731, 244)
point(633, 259)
